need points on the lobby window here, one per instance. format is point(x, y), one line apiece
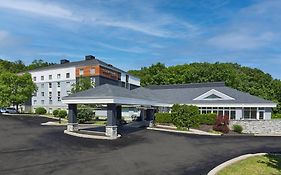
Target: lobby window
point(67, 75)
point(50, 77)
point(81, 71)
point(58, 76)
point(50, 85)
point(42, 77)
point(250, 113)
point(34, 78)
point(42, 94)
point(92, 71)
point(232, 115)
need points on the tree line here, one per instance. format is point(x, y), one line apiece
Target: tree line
point(246, 79)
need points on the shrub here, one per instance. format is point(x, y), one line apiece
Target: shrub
point(62, 114)
point(163, 118)
point(276, 116)
point(185, 116)
point(40, 110)
point(237, 128)
point(56, 112)
point(84, 115)
point(207, 119)
point(221, 124)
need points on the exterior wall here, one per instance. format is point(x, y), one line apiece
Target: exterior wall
point(239, 114)
point(43, 86)
point(259, 126)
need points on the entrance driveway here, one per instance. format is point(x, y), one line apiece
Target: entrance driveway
point(28, 148)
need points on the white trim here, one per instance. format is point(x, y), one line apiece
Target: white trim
point(241, 105)
point(213, 92)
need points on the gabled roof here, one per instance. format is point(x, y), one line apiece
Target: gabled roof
point(172, 95)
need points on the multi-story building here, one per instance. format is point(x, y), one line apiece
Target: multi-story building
point(55, 81)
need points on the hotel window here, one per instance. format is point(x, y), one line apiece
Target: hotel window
point(34, 78)
point(92, 71)
point(58, 84)
point(34, 102)
point(50, 110)
point(250, 113)
point(58, 93)
point(58, 76)
point(68, 92)
point(50, 85)
point(42, 77)
point(59, 99)
point(42, 85)
point(67, 75)
point(81, 71)
point(50, 94)
point(50, 77)
point(42, 102)
point(50, 101)
point(42, 94)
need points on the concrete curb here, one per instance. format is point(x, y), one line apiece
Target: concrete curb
point(230, 162)
point(53, 124)
point(90, 136)
point(191, 131)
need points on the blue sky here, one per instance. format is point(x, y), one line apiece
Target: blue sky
point(132, 34)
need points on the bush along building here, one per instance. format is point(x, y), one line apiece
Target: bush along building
point(55, 81)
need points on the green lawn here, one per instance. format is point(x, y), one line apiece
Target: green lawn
point(259, 165)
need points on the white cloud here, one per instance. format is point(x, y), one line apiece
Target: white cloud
point(129, 50)
point(241, 41)
point(39, 8)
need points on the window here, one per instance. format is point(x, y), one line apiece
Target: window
point(232, 115)
point(34, 102)
point(50, 101)
point(250, 113)
point(213, 96)
point(58, 76)
point(67, 75)
point(68, 92)
point(50, 94)
point(261, 115)
point(50, 110)
point(92, 71)
point(34, 78)
point(42, 94)
point(35, 94)
point(81, 71)
point(59, 99)
point(42, 77)
point(58, 93)
point(50, 77)
point(58, 84)
point(50, 85)
point(42, 102)
point(42, 85)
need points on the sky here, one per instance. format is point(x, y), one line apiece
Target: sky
point(131, 34)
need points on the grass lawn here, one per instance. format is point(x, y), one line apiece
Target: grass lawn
point(259, 165)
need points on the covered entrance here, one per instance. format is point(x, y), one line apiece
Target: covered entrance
point(113, 97)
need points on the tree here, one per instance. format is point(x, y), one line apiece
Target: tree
point(82, 84)
point(15, 89)
point(38, 64)
point(185, 116)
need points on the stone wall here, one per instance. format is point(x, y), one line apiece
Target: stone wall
point(259, 126)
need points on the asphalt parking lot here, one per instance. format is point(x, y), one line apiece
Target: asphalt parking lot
point(26, 148)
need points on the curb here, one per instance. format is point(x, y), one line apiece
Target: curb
point(234, 160)
point(184, 132)
point(90, 136)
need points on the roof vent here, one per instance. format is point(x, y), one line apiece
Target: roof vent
point(90, 57)
point(109, 65)
point(63, 61)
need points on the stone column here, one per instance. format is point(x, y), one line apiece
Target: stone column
point(111, 127)
point(119, 114)
point(150, 116)
point(72, 118)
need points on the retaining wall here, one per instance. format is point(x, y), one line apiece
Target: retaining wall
point(259, 126)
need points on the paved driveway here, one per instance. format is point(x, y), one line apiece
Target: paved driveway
point(28, 148)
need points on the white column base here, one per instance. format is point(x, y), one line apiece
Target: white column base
point(111, 131)
point(72, 127)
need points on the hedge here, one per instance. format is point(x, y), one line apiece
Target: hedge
point(40, 110)
point(56, 112)
point(62, 114)
point(237, 128)
point(163, 118)
point(85, 114)
point(207, 119)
